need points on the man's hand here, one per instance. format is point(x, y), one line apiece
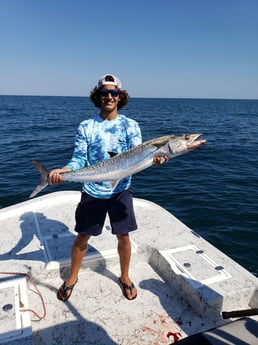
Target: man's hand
point(55, 177)
point(158, 160)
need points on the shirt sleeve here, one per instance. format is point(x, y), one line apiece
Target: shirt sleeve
point(134, 133)
point(79, 159)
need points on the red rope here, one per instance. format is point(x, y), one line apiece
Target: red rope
point(31, 280)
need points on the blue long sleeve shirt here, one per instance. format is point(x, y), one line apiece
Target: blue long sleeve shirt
point(95, 139)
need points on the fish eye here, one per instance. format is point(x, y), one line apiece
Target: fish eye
point(187, 137)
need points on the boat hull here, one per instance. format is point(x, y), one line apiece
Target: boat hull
point(184, 283)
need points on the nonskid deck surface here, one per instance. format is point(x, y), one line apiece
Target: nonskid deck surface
point(183, 282)
point(98, 313)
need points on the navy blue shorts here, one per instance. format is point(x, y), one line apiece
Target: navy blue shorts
point(91, 213)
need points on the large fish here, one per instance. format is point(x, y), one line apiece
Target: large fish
point(127, 163)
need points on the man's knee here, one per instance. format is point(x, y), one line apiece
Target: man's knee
point(81, 240)
point(123, 239)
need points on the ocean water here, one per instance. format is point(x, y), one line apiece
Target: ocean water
point(214, 190)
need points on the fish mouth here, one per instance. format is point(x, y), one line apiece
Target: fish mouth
point(194, 143)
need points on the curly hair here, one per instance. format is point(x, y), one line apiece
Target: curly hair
point(95, 98)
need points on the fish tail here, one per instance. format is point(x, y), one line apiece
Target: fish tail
point(44, 178)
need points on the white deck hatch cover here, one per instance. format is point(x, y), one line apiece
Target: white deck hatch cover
point(192, 262)
point(14, 324)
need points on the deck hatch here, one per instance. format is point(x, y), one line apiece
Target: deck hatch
point(196, 266)
point(14, 324)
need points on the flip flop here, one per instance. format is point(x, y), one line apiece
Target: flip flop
point(63, 288)
point(127, 287)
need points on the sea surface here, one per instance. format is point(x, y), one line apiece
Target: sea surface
point(214, 190)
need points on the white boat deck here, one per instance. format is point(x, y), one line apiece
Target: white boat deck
point(184, 283)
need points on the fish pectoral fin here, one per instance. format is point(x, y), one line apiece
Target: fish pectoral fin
point(114, 184)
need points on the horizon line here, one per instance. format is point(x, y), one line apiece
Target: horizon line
point(141, 97)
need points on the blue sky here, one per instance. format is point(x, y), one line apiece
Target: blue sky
point(158, 48)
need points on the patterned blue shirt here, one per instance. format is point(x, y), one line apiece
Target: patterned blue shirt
point(95, 139)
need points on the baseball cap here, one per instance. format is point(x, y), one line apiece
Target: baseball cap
point(109, 79)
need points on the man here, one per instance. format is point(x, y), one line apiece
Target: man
point(98, 138)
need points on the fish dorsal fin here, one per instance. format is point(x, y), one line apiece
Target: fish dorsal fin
point(112, 154)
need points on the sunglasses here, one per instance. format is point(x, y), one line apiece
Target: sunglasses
point(105, 92)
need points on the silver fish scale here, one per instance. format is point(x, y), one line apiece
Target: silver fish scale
point(127, 163)
point(121, 165)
